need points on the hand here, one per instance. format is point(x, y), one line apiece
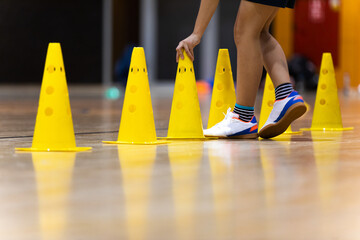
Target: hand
point(188, 44)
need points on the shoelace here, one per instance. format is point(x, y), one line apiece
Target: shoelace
point(226, 119)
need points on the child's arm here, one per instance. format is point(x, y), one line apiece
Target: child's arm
point(206, 11)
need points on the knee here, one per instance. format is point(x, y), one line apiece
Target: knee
point(245, 32)
point(265, 36)
point(238, 34)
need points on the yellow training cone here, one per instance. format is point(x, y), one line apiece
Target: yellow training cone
point(327, 115)
point(137, 124)
point(185, 118)
point(223, 94)
point(54, 131)
point(268, 103)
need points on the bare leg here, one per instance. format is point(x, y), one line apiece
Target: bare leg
point(273, 56)
point(250, 23)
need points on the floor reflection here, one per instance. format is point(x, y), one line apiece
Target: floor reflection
point(327, 157)
point(185, 159)
point(53, 178)
point(137, 163)
point(221, 159)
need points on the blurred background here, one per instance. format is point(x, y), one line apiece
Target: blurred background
point(97, 37)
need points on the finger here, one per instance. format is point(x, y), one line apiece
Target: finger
point(179, 54)
point(178, 51)
point(187, 50)
point(192, 53)
point(179, 46)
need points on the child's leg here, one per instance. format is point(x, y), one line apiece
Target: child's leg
point(256, 46)
point(273, 56)
point(289, 105)
point(250, 22)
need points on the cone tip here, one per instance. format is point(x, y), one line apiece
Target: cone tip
point(54, 44)
point(138, 51)
point(223, 52)
point(54, 47)
point(327, 60)
point(327, 55)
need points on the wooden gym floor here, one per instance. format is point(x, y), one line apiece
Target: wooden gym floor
point(297, 187)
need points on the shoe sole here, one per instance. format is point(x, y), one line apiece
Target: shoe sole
point(246, 136)
point(275, 129)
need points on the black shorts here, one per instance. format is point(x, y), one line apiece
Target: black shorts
point(276, 3)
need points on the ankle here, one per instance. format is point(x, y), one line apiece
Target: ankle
point(283, 90)
point(245, 113)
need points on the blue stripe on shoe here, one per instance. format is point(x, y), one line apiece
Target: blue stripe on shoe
point(253, 120)
point(293, 94)
point(289, 104)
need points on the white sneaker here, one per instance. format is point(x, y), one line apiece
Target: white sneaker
point(233, 127)
point(285, 111)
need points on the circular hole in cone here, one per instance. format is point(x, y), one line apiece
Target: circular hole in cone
point(325, 71)
point(322, 101)
point(220, 86)
point(50, 90)
point(51, 69)
point(219, 104)
point(132, 108)
point(49, 111)
point(270, 103)
point(133, 89)
point(179, 105)
point(182, 69)
point(323, 86)
point(181, 87)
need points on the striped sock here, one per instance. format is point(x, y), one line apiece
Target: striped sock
point(245, 113)
point(283, 90)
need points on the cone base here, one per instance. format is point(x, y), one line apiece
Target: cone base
point(327, 129)
point(189, 139)
point(292, 133)
point(137, 143)
point(75, 149)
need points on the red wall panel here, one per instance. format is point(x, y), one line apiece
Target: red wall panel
point(316, 30)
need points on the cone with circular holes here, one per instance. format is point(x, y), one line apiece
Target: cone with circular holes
point(185, 118)
point(327, 115)
point(223, 94)
point(54, 131)
point(137, 124)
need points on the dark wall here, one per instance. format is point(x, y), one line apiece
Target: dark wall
point(228, 12)
point(176, 21)
point(26, 28)
point(126, 26)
